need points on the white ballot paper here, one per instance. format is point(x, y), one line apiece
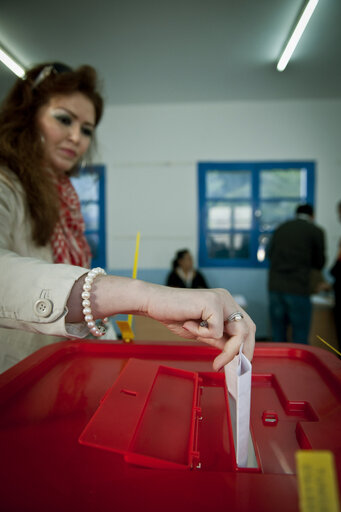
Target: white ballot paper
point(238, 381)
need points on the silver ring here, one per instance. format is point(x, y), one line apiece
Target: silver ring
point(235, 317)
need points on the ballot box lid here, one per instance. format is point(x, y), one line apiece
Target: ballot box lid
point(150, 416)
point(110, 426)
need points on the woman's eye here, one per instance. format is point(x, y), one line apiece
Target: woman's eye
point(88, 132)
point(64, 120)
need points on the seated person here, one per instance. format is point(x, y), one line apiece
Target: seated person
point(183, 274)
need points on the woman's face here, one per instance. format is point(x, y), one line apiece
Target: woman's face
point(66, 124)
point(186, 262)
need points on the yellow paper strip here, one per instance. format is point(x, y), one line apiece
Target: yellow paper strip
point(136, 259)
point(330, 346)
point(317, 481)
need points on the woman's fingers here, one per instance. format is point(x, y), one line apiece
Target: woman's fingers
point(249, 346)
point(242, 335)
point(213, 330)
point(230, 350)
point(235, 334)
point(245, 330)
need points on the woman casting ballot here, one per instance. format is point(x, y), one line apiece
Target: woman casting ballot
point(47, 125)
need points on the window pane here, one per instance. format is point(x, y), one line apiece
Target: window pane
point(283, 183)
point(219, 216)
point(273, 213)
point(90, 213)
point(93, 241)
point(87, 186)
point(225, 215)
point(228, 184)
point(242, 216)
point(227, 245)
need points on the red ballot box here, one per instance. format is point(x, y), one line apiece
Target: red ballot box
point(109, 427)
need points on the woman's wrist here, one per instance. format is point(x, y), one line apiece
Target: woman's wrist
point(114, 295)
point(110, 295)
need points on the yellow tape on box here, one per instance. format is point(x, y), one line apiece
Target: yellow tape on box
point(317, 481)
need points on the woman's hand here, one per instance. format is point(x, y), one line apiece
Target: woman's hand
point(181, 310)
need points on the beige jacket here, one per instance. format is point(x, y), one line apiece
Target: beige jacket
point(33, 290)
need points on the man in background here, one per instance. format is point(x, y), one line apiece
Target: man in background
point(296, 248)
point(336, 273)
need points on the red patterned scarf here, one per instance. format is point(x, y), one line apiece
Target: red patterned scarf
point(68, 241)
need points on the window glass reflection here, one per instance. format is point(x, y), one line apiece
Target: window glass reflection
point(283, 183)
point(229, 215)
point(90, 213)
point(228, 184)
point(93, 241)
point(242, 216)
point(274, 213)
point(228, 245)
point(87, 186)
point(219, 216)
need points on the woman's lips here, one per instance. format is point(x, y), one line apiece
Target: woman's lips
point(69, 152)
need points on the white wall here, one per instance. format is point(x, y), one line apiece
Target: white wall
point(151, 154)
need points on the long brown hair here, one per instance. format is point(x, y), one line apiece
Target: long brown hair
point(21, 148)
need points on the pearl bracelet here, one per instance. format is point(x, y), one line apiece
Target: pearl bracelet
point(95, 329)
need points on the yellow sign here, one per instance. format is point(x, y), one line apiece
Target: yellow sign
point(317, 481)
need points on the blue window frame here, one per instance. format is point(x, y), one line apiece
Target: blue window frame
point(240, 205)
point(90, 187)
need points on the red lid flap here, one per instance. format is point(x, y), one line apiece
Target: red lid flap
point(149, 415)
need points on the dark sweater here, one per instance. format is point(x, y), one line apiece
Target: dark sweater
point(175, 280)
point(295, 249)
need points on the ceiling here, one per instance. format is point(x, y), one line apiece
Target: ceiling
point(165, 51)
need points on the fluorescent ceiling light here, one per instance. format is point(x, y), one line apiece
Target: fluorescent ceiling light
point(296, 34)
point(13, 65)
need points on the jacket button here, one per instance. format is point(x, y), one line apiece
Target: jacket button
point(43, 307)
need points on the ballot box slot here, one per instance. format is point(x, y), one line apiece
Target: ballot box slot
point(216, 438)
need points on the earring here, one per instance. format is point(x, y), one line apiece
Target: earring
point(82, 164)
point(42, 138)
